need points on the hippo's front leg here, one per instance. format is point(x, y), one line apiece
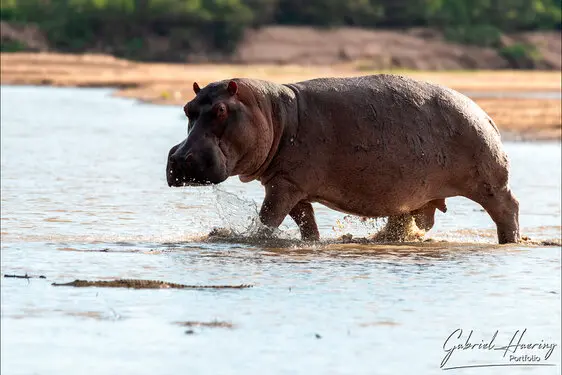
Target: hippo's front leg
point(303, 215)
point(281, 196)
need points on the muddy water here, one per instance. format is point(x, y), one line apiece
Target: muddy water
point(84, 197)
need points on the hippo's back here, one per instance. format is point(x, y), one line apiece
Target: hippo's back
point(393, 111)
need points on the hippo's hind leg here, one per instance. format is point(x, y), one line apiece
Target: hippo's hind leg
point(412, 226)
point(399, 228)
point(503, 208)
point(303, 215)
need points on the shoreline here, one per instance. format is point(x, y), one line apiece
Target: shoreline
point(529, 118)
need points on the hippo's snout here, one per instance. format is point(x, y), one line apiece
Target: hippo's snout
point(172, 172)
point(183, 170)
point(189, 168)
point(174, 175)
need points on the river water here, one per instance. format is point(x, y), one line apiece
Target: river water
point(84, 196)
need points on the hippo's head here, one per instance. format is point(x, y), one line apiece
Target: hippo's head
point(227, 135)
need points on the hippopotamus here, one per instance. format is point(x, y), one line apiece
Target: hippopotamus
point(375, 146)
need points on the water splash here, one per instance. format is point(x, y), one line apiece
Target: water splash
point(238, 214)
point(240, 217)
point(358, 226)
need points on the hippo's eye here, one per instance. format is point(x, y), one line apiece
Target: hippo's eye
point(220, 111)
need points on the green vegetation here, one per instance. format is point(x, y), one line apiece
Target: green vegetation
point(521, 55)
point(124, 26)
point(12, 46)
point(140, 28)
point(480, 35)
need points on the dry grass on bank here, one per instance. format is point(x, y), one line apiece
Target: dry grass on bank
point(171, 83)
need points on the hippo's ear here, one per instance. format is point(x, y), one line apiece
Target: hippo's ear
point(196, 88)
point(232, 88)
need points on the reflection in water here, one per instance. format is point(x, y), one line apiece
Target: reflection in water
point(84, 196)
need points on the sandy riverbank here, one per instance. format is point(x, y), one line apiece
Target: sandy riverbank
point(171, 84)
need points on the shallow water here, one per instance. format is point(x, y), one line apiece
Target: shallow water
point(84, 196)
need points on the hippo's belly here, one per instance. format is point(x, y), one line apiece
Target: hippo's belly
point(371, 206)
point(375, 187)
point(364, 209)
point(375, 200)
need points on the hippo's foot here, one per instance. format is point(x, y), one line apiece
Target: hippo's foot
point(303, 215)
point(400, 228)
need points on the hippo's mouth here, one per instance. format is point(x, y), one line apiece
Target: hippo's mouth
point(183, 181)
point(178, 178)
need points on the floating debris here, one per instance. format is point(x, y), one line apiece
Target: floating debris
point(144, 284)
point(26, 276)
point(528, 241)
point(211, 324)
point(550, 243)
